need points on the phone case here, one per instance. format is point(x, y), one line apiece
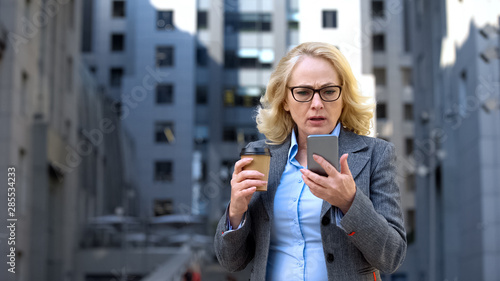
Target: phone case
point(326, 146)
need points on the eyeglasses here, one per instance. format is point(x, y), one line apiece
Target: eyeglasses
point(306, 94)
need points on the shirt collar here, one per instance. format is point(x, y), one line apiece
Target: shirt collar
point(294, 146)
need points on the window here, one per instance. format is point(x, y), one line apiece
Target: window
point(255, 22)
point(380, 76)
point(229, 134)
point(118, 9)
point(87, 28)
point(165, 56)
point(201, 134)
point(378, 41)
point(165, 20)
point(235, 22)
point(202, 94)
point(249, 58)
point(229, 97)
point(115, 76)
point(293, 20)
point(462, 94)
point(69, 81)
point(409, 146)
point(377, 8)
point(202, 22)
point(410, 224)
point(230, 59)
point(71, 14)
point(164, 93)
point(406, 76)
point(227, 169)
point(164, 132)
point(381, 110)
point(201, 56)
point(163, 171)
point(406, 26)
point(410, 182)
point(329, 19)
point(163, 207)
point(24, 90)
point(117, 42)
point(408, 109)
point(243, 96)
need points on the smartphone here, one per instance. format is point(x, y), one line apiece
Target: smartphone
point(326, 146)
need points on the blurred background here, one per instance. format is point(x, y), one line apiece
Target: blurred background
point(123, 119)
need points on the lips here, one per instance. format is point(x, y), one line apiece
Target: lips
point(316, 118)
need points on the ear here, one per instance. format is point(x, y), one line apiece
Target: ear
point(285, 106)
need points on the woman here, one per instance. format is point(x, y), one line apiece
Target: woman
point(346, 226)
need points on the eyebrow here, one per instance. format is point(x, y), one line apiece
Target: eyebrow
point(322, 86)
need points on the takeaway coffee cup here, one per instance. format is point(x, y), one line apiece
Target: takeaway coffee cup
point(261, 160)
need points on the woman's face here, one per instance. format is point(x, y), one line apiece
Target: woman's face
point(315, 117)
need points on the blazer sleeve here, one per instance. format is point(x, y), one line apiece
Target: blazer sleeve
point(374, 224)
point(234, 249)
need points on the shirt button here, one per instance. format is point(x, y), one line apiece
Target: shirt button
point(329, 257)
point(294, 199)
point(300, 181)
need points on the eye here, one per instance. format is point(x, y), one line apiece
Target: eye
point(302, 91)
point(330, 91)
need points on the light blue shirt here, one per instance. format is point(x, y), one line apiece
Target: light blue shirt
point(296, 250)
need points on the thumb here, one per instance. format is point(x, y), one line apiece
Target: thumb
point(344, 167)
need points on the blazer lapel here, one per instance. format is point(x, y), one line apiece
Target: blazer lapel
point(352, 144)
point(279, 158)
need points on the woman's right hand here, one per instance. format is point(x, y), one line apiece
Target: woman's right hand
point(243, 185)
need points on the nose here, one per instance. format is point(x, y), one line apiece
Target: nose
point(316, 102)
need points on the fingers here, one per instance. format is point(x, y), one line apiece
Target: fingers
point(344, 167)
point(329, 169)
point(249, 183)
point(247, 175)
point(311, 176)
point(238, 166)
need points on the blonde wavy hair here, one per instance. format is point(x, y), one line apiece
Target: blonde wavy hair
point(276, 123)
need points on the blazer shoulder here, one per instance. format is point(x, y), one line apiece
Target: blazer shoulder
point(376, 142)
point(259, 143)
point(377, 147)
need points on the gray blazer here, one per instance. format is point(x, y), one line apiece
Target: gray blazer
point(377, 239)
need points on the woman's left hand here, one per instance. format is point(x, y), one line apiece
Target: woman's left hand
point(337, 189)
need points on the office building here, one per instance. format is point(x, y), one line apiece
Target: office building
point(457, 137)
point(54, 134)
